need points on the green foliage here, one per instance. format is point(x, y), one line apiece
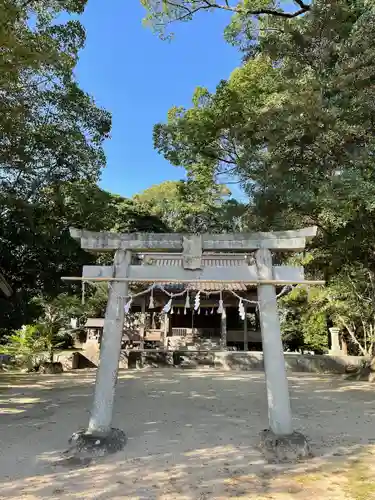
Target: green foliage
point(303, 326)
point(51, 156)
point(51, 137)
point(23, 344)
point(350, 302)
point(51, 129)
point(315, 331)
point(197, 205)
point(292, 127)
point(36, 247)
point(96, 301)
point(53, 325)
point(244, 13)
point(134, 217)
point(32, 341)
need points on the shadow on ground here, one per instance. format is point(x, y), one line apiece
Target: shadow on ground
point(192, 435)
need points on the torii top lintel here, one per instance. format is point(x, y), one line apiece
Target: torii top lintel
point(294, 240)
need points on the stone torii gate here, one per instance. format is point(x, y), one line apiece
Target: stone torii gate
point(280, 435)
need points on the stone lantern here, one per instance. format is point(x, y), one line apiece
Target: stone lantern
point(335, 343)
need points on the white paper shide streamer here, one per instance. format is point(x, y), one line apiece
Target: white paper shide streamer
point(128, 306)
point(187, 301)
point(197, 301)
point(220, 309)
point(151, 304)
point(167, 306)
point(241, 310)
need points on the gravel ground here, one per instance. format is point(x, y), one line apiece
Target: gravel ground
point(191, 435)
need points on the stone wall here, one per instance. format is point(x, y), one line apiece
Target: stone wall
point(244, 361)
point(228, 360)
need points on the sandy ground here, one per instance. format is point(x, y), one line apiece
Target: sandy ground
point(192, 435)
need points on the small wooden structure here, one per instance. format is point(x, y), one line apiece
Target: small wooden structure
point(94, 329)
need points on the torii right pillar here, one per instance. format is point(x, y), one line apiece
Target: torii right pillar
point(279, 443)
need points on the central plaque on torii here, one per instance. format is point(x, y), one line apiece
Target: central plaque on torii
point(192, 251)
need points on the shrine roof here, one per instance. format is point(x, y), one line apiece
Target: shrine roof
point(208, 259)
point(201, 286)
point(94, 323)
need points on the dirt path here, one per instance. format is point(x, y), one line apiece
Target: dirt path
point(192, 435)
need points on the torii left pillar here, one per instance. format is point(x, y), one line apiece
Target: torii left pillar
point(100, 437)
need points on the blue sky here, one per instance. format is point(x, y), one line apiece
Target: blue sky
point(138, 77)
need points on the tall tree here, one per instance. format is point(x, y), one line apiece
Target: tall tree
point(199, 204)
point(296, 131)
point(50, 129)
point(36, 247)
point(51, 132)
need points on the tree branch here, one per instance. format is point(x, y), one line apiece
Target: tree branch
point(178, 6)
point(277, 13)
point(228, 162)
point(355, 291)
point(301, 4)
point(273, 12)
point(352, 335)
point(27, 3)
point(238, 9)
point(189, 12)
